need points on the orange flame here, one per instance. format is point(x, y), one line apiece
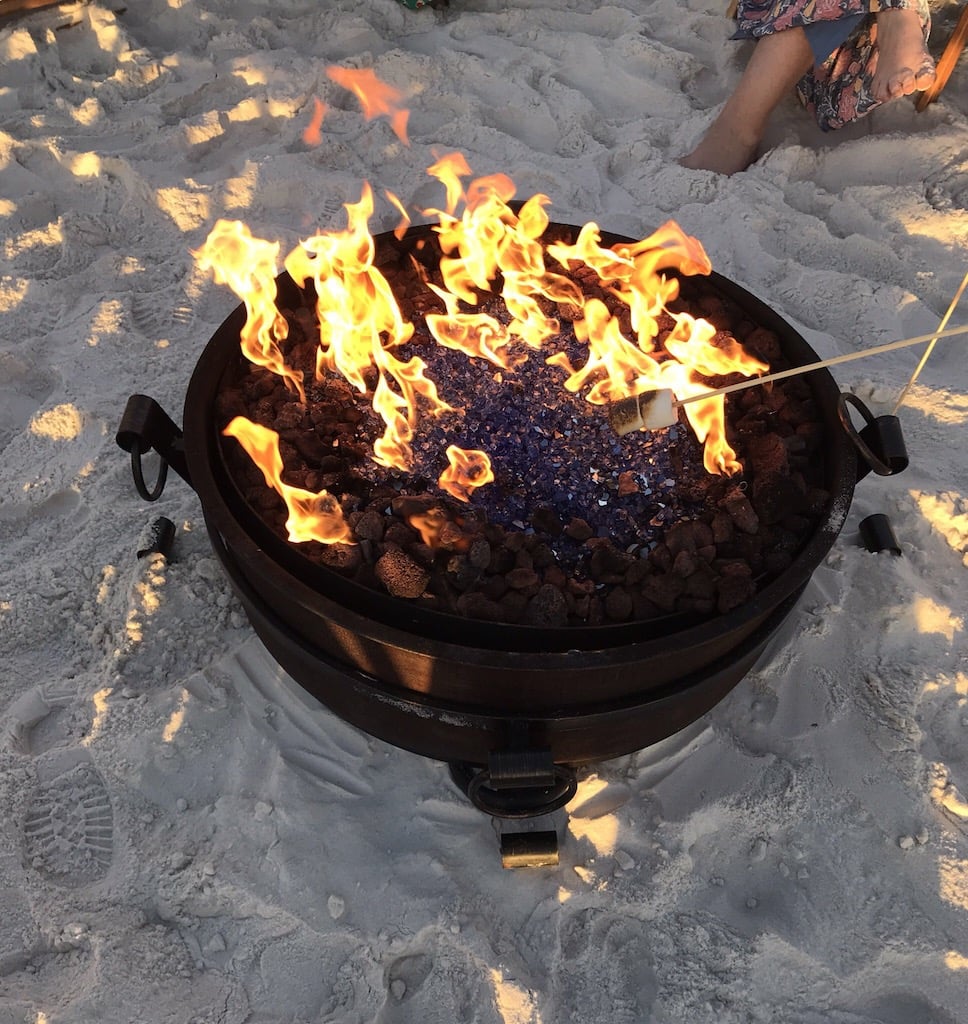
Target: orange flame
point(489, 251)
point(312, 516)
point(357, 311)
point(313, 135)
point(248, 266)
point(619, 367)
point(468, 470)
point(429, 524)
point(376, 97)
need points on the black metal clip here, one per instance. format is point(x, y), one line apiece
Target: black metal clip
point(880, 442)
point(145, 426)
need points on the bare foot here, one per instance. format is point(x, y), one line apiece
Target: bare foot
point(723, 150)
point(731, 142)
point(904, 65)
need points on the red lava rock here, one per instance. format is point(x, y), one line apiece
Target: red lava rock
point(479, 553)
point(767, 454)
point(776, 497)
point(342, 558)
point(684, 564)
point(401, 575)
point(579, 530)
point(689, 536)
point(627, 484)
point(370, 526)
point(547, 608)
point(619, 605)
point(476, 606)
point(734, 591)
point(739, 509)
point(663, 591)
point(607, 565)
point(522, 579)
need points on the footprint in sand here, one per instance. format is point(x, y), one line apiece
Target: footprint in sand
point(68, 828)
point(438, 982)
point(39, 720)
point(630, 978)
point(162, 314)
point(406, 975)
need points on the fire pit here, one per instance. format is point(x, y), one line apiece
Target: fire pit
point(513, 701)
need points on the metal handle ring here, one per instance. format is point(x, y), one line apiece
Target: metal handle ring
point(880, 467)
point(138, 473)
point(518, 802)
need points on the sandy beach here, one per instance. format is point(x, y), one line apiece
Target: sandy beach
point(185, 835)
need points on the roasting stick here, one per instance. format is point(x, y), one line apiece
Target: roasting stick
point(930, 348)
point(653, 410)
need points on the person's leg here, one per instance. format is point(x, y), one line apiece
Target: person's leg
point(777, 63)
point(904, 65)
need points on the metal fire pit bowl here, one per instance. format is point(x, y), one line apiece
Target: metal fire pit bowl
point(512, 709)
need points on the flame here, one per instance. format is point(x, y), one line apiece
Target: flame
point(311, 516)
point(248, 266)
point(468, 470)
point(313, 135)
point(376, 97)
point(429, 524)
point(492, 255)
point(490, 241)
point(620, 367)
point(359, 322)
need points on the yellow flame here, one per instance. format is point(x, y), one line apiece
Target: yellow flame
point(312, 516)
point(359, 322)
point(248, 266)
point(467, 470)
point(313, 135)
point(488, 250)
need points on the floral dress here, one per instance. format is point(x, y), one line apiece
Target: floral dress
point(843, 35)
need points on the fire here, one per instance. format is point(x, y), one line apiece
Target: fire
point(376, 97)
point(467, 470)
point(248, 266)
point(311, 516)
point(359, 323)
point(493, 255)
point(621, 367)
point(313, 135)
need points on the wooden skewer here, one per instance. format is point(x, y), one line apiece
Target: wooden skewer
point(656, 408)
point(823, 363)
point(930, 348)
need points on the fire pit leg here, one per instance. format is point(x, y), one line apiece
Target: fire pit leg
point(519, 784)
point(529, 849)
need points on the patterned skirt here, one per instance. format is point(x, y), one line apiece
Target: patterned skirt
point(843, 35)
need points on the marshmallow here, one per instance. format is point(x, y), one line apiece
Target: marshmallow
point(651, 410)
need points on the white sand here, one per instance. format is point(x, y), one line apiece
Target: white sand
point(185, 837)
